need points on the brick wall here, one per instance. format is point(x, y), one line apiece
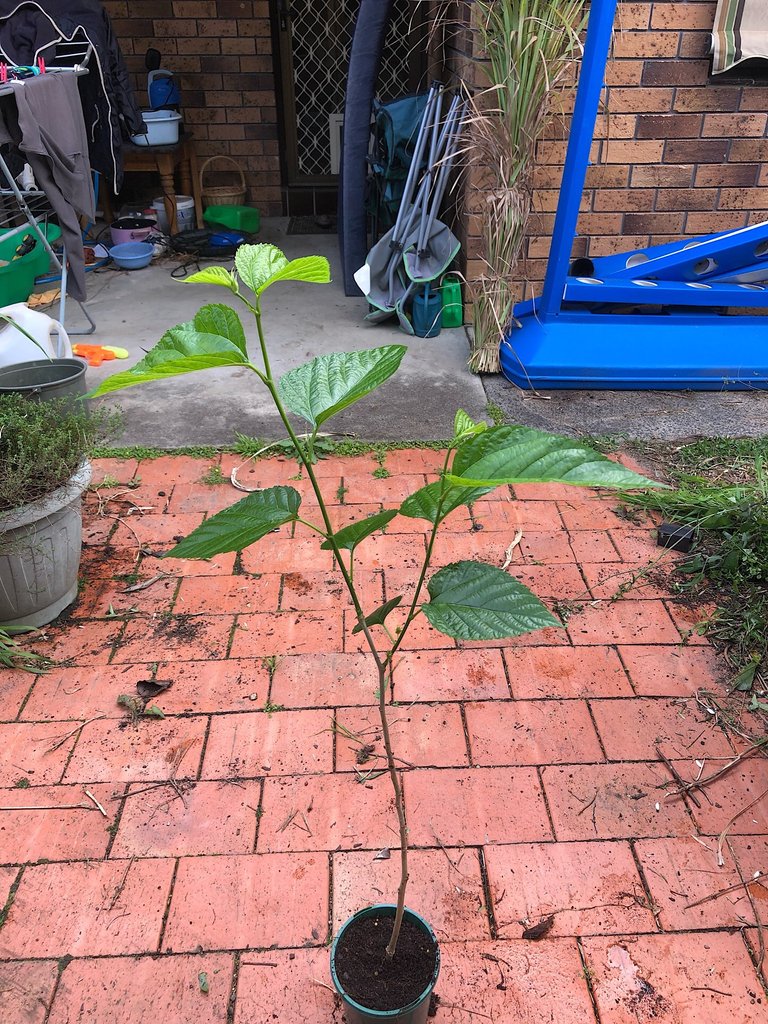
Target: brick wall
point(676, 153)
point(222, 52)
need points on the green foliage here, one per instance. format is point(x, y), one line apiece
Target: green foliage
point(240, 525)
point(511, 455)
point(326, 385)
point(350, 536)
point(43, 443)
point(475, 601)
point(213, 476)
point(467, 600)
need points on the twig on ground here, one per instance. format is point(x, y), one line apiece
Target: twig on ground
point(92, 797)
point(724, 892)
point(74, 732)
point(508, 553)
point(724, 834)
point(701, 782)
point(678, 778)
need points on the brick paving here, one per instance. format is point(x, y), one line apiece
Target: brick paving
point(239, 830)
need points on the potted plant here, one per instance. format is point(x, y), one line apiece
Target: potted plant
point(44, 470)
point(385, 959)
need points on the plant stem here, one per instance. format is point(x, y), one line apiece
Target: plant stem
point(400, 807)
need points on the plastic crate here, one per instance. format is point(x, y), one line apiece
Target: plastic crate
point(236, 218)
point(17, 279)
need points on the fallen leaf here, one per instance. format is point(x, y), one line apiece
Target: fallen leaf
point(382, 855)
point(202, 980)
point(538, 931)
point(153, 711)
point(147, 688)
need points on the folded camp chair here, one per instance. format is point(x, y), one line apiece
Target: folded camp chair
point(393, 138)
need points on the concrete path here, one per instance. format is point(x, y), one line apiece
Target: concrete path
point(237, 832)
point(133, 308)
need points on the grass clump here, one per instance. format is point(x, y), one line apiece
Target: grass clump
point(42, 444)
point(729, 561)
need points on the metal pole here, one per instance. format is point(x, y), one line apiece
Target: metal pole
point(599, 30)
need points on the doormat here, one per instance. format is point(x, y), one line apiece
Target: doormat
point(309, 226)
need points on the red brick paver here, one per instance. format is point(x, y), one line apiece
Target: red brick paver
point(194, 866)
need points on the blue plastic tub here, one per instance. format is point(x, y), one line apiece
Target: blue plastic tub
point(132, 255)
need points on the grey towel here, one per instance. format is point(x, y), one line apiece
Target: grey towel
point(55, 144)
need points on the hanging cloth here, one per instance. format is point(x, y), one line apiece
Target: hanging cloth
point(740, 33)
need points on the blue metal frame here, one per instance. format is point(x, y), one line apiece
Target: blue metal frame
point(584, 331)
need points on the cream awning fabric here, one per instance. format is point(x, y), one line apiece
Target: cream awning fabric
point(740, 33)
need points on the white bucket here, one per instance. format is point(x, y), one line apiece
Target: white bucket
point(15, 347)
point(185, 213)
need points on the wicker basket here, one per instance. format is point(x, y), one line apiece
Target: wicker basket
point(222, 195)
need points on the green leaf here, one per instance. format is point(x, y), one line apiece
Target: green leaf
point(153, 711)
point(510, 455)
point(350, 536)
point(746, 677)
point(378, 617)
point(475, 601)
point(465, 426)
point(423, 504)
point(241, 524)
point(202, 980)
point(257, 263)
point(214, 275)
point(309, 269)
point(326, 385)
point(262, 265)
point(214, 338)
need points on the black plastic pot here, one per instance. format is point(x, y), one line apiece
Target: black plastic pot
point(417, 1011)
point(44, 379)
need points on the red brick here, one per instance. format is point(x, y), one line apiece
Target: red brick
point(78, 693)
point(474, 806)
point(671, 671)
point(552, 582)
point(610, 801)
point(276, 553)
point(147, 989)
point(150, 529)
point(502, 980)
point(390, 490)
point(122, 470)
point(219, 565)
point(445, 887)
point(632, 729)
point(183, 637)
point(590, 546)
point(339, 812)
point(52, 834)
point(691, 620)
point(683, 871)
point(530, 882)
point(536, 516)
point(672, 978)
point(213, 686)
point(26, 989)
point(202, 817)
point(289, 989)
point(14, 687)
point(148, 751)
point(28, 754)
point(248, 902)
point(88, 909)
point(566, 672)
point(324, 680)
point(531, 732)
point(103, 597)
point(729, 795)
point(422, 736)
point(450, 675)
point(311, 590)
point(287, 633)
point(257, 744)
point(89, 644)
point(218, 595)
point(627, 622)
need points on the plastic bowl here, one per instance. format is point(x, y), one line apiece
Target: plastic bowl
point(132, 255)
point(131, 229)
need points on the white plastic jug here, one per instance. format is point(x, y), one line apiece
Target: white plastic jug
point(49, 334)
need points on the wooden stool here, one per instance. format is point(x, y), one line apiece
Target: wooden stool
point(165, 160)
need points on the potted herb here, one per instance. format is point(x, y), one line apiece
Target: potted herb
point(44, 448)
point(385, 959)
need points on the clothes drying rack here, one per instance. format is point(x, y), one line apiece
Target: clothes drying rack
point(18, 203)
